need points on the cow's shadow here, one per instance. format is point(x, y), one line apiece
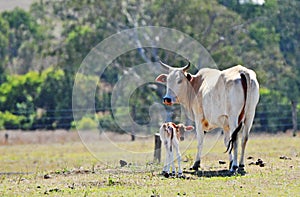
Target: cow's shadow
point(215, 173)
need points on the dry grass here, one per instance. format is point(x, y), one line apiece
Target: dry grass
point(72, 170)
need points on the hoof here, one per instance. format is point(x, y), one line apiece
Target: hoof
point(241, 170)
point(233, 169)
point(241, 167)
point(195, 166)
point(173, 173)
point(165, 174)
point(181, 176)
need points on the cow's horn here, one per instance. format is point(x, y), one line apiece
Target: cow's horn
point(165, 65)
point(187, 67)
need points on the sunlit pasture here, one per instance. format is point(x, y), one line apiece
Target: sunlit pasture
point(63, 164)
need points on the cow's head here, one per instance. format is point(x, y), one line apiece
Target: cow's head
point(169, 127)
point(177, 82)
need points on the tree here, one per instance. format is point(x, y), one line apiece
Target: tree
point(59, 34)
point(4, 29)
point(288, 28)
point(274, 27)
point(23, 38)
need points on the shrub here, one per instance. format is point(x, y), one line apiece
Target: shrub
point(10, 121)
point(87, 123)
point(106, 122)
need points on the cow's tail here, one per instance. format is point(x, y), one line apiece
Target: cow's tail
point(233, 138)
point(247, 91)
point(246, 83)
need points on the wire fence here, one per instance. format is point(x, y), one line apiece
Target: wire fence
point(273, 118)
point(268, 118)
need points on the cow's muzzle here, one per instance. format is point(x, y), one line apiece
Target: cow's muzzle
point(167, 101)
point(181, 138)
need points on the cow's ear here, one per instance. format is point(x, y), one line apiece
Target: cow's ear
point(189, 76)
point(161, 78)
point(189, 128)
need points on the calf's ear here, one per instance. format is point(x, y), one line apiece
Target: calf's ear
point(161, 78)
point(189, 128)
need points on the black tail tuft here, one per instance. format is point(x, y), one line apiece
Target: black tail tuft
point(233, 138)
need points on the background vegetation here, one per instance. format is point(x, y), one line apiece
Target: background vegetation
point(41, 50)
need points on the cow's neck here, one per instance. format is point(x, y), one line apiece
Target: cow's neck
point(190, 102)
point(196, 82)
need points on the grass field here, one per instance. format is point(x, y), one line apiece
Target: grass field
point(59, 164)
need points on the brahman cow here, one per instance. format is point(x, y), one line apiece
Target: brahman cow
point(170, 134)
point(215, 99)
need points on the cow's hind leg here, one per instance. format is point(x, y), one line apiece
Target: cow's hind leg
point(233, 144)
point(243, 147)
point(246, 131)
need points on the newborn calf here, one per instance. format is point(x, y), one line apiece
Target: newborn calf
point(170, 134)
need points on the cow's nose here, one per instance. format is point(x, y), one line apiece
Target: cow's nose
point(181, 138)
point(167, 100)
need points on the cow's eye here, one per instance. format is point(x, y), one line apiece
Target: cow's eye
point(179, 81)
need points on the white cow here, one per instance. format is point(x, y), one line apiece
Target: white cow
point(170, 134)
point(215, 99)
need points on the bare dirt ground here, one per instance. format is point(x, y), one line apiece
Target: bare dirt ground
point(37, 137)
point(18, 137)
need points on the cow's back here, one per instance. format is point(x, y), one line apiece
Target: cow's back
point(222, 95)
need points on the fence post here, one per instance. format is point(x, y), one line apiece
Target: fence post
point(6, 138)
point(157, 148)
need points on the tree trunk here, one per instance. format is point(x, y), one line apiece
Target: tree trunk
point(294, 116)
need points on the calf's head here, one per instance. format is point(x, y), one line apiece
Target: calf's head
point(179, 129)
point(177, 82)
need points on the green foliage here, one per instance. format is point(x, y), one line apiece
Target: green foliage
point(24, 38)
point(55, 37)
point(264, 36)
point(107, 123)
point(87, 123)
point(4, 28)
point(10, 121)
point(19, 89)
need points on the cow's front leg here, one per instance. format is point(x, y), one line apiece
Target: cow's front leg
point(200, 137)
